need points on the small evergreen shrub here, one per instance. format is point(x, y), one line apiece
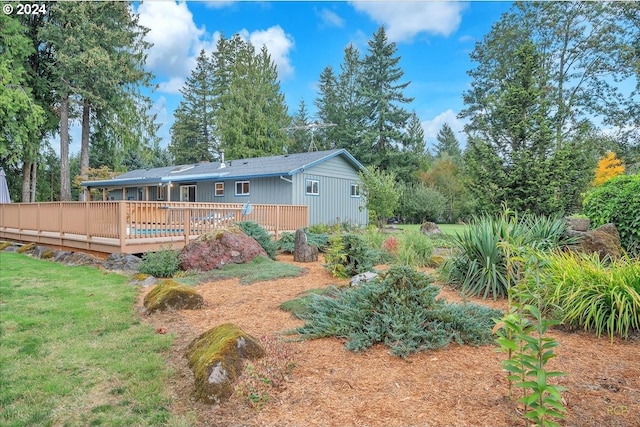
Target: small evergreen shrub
point(163, 263)
point(349, 254)
point(262, 236)
point(399, 309)
point(617, 201)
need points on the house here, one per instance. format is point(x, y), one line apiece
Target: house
point(325, 181)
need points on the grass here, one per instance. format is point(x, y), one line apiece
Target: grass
point(450, 229)
point(73, 353)
point(259, 270)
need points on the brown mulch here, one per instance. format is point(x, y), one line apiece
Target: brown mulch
point(330, 386)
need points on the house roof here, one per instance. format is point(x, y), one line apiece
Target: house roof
point(258, 167)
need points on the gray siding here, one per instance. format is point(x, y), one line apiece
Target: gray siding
point(272, 190)
point(334, 203)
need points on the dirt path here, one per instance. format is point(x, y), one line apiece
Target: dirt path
point(330, 386)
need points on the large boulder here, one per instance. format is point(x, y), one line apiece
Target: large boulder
point(304, 252)
point(604, 240)
point(171, 295)
point(218, 248)
point(216, 359)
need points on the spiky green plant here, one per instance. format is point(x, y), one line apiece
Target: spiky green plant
point(479, 265)
point(584, 291)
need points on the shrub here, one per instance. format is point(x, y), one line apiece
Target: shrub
point(617, 201)
point(399, 309)
point(419, 203)
point(349, 254)
point(581, 290)
point(479, 265)
point(262, 236)
point(163, 263)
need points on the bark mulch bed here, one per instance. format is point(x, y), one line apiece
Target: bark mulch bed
point(319, 383)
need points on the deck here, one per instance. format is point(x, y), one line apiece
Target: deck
point(135, 227)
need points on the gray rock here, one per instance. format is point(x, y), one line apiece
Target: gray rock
point(430, 228)
point(361, 278)
point(61, 255)
point(604, 240)
point(303, 252)
point(122, 262)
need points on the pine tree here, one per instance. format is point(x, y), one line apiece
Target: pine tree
point(447, 143)
point(383, 98)
point(301, 134)
point(193, 132)
point(509, 159)
point(251, 116)
point(329, 110)
point(609, 166)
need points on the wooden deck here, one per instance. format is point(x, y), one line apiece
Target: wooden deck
point(135, 227)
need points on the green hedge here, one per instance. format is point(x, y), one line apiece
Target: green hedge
point(617, 201)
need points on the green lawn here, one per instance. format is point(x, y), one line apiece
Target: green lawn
point(73, 353)
point(450, 229)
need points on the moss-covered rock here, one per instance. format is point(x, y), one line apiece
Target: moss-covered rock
point(27, 248)
point(215, 357)
point(171, 295)
point(4, 245)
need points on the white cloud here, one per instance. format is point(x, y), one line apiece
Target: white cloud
point(173, 34)
point(404, 20)
point(278, 43)
point(172, 87)
point(433, 126)
point(330, 18)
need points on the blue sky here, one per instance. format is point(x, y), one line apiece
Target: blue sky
point(433, 39)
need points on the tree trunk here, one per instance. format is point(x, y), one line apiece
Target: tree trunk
point(65, 173)
point(34, 170)
point(26, 182)
point(84, 146)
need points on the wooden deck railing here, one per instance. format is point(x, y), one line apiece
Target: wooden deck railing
point(134, 227)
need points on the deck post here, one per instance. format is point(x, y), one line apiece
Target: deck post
point(187, 225)
point(122, 220)
point(86, 221)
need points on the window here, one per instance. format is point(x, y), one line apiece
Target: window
point(187, 193)
point(313, 187)
point(162, 192)
point(219, 189)
point(355, 190)
point(242, 188)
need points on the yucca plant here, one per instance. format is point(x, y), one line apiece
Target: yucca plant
point(479, 265)
point(584, 291)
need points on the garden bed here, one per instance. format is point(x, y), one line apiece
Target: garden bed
point(331, 386)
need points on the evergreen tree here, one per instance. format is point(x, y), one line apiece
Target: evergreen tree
point(21, 118)
point(509, 158)
point(382, 100)
point(301, 132)
point(98, 53)
point(251, 117)
point(447, 143)
point(193, 136)
point(586, 48)
point(329, 109)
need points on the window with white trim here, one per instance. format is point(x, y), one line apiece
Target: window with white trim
point(219, 189)
point(242, 188)
point(355, 189)
point(187, 193)
point(162, 192)
point(312, 187)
